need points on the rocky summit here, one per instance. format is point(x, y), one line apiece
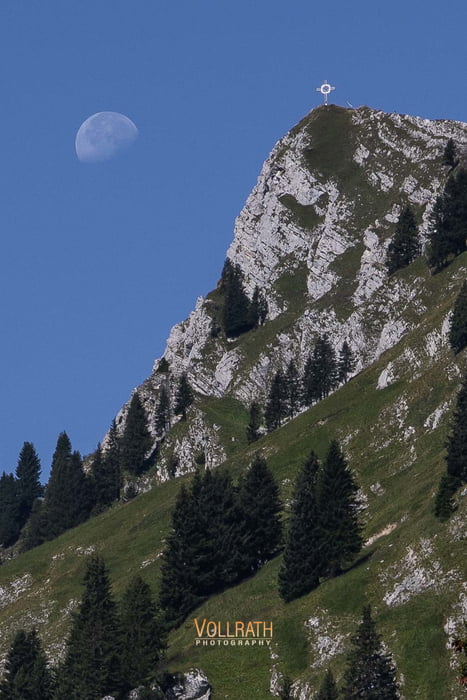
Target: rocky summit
point(313, 236)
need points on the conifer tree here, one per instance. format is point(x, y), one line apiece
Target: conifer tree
point(163, 411)
point(67, 499)
point(254, 424)
point(28, 472)
point(447, 236)
point(237, 315)
point(142, 638)
point(328, 689)
point(320, 376)
point(346, 362)
point(106, 477)
point(10, 520)
point(444, 503)
point(258, 308)
point(456, 458)
point(405, 245)
point(276, 408)
point(370, 674)
point(340, 526)
point(458, 327)
point(184, 396)
point(292, 388)
point(136, 440)
point(179, 586)
point(301, 565)
point(260, 508)
point(26, 676)
point(91, 668)
point(450, 154)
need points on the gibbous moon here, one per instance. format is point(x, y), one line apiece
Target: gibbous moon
point(103, 135)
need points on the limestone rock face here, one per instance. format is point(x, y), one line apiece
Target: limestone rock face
point(192, 685)
point(313, 236)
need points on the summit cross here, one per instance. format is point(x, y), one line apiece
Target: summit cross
point(325, 89)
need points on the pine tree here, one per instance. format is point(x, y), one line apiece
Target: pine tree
point(370, 674)
point(254, 424)
point(458, 327)
point(136, 440)
point(27, 676)
point(450, 154)
point(163, 411)
point(142, 638)
point(276, 408)
point(346, 362)
point(405, 246)
point(328, 689)
point(237, 317)
point(292, 388)
point(301, 565)
point(184, 396)
point(91, 668)
point(260, 507)
point(340, 526)
point(28, 472)
point(456, 458)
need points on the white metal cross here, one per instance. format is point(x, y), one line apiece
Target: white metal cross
point(325, 89)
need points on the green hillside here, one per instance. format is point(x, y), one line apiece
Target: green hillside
point(412, 571)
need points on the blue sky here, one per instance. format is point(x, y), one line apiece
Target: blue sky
point(98, 261)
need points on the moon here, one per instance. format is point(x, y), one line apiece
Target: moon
point(104, 135)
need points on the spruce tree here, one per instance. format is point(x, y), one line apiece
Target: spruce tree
point(142, 638)
point(405, 245)
point(292, 389)
point(346, 362)
point(68, 496)
point(237, 313)
point(260, 507)
point(444, 503)
point(450, 154)
point(184, 396)
point(106, 478)
point(301, 565)
point(254, 424)
point(91, 668)
point(163, 411)
point(10, 518)
point(328, 689)
point(27, 676)
point(458, 327)
point(28, 472)
point(447, 236)
point(276, 408)
point(179, 592)
point(136, 440)
point(370, 674)
point(340, 526)
point(321, 372)
point(456, 458)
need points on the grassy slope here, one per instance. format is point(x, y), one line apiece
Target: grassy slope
point(130, 536)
